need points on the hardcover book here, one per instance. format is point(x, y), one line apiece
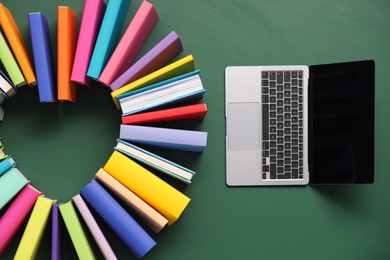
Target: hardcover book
point(185, 140)
point(184, 87)
point(7, 88)
point(191, 112)
point(133, 39)
point(17, 45)
point(89, 28)
point(11, 182)
point(174, 69)
point(108, 36)
point(43, 56)
point(131, 233)
point(150, 188)
point(153, 60)
point(163, 165)
point(55, 233)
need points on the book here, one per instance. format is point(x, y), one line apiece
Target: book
point(7, 88)
point(16, 213)
point(163, 165)
point(190, 112)
point(1, 114)
point(164, 198)
point(108, 36)
point(89, 28)
point(43, 56)
point(55, 233)
point(131, 42)
point(66, 44)
point(153, 60)
point(17, 45)
point(96, 232)
point(10, 64)
point(11, 183)
point(174, 90)
point(132, 234)
point(185, 140)
point(154, 220)
point(174, 69)
point(35, 228)
point(76, 232)
point(6, 164)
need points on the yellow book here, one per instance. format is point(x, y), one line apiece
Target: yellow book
point(76, 232)
point(164, 198)
point(16, 42)
point(154, 220)
point(174, 69)
point(33, 233)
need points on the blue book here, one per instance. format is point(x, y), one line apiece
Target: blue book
point(6, 164)
point(178, 89)
point(185, 140)
point(132, 234)
point(43, 56)
point(108, 36)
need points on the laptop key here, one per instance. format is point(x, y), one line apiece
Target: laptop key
point(272, 171)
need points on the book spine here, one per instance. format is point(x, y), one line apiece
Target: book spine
point(17, 45)
point(132, 234)
point(191, 112)
point(6, 164)
point(154, 220)
point(186, 140)
point(11, 183)
point(75, 230)
point(55, 234)
point(108, 36)
point(43, 57)
point(133, 39)
point(182, 66)
point(7, 88)
point(164, 198)
point(10, 64)
point(94, 228)
point(156, 58)
point(89, 28)
point(33, 233)
point(66, 41)
point(17, 212)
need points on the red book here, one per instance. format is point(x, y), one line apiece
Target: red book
point(197, 111)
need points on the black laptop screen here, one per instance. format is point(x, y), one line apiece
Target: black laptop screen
point(342, 122)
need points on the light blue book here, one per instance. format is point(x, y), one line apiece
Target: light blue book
point(108, 36)
point(11, 183)
point(172, 169)
point(6, 164)
point(178, 89)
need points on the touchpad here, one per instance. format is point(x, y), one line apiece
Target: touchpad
point(243, 126)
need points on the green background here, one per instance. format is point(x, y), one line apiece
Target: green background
point(61, 146)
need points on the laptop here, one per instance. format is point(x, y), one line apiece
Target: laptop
point(295, 125)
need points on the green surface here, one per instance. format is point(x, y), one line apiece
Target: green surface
point(53, 141)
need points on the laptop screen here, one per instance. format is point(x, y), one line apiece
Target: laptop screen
point(342, 125)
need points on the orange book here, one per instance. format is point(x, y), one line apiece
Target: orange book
point(66, 37)
point(16, 43)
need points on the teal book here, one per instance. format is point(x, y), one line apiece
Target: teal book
point(108, 36)
point(6, 164)
point(11, 183)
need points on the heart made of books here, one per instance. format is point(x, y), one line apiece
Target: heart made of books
point(147, 91)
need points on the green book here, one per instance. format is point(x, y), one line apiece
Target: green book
point(10, 64)
point(11, 183)
point(75, 230)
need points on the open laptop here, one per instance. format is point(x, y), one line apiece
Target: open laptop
point(294, 125)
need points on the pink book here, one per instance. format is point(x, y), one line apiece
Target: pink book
point(89, 28)
point(136, 34)
point(16, 214)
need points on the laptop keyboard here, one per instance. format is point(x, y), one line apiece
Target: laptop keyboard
point(282, 124)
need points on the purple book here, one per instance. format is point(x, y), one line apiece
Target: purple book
point(2, 74)
point(55, 234)
point(194, 141)
point(156, 58)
